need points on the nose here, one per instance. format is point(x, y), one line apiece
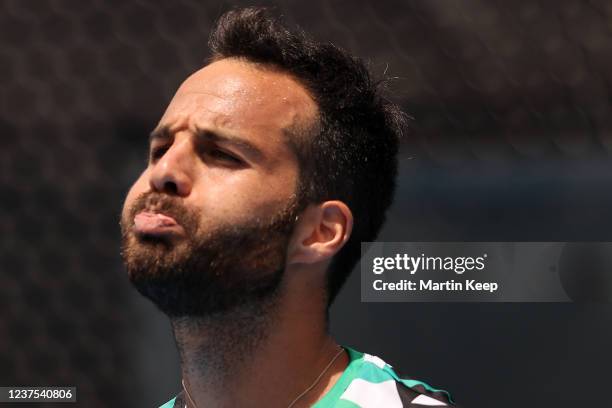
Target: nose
point(173, 172)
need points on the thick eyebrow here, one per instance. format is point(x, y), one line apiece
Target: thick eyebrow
point(160, 133)
point(165, 133)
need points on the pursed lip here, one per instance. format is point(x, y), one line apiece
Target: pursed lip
point(154, 223)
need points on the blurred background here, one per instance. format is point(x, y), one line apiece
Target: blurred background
point(512, 141)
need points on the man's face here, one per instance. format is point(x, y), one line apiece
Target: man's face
point(206, 225)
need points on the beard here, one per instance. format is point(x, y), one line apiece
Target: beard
point(207, 273)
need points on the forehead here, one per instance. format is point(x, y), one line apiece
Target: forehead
point(243, 97)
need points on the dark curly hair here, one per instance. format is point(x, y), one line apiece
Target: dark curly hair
point(352, 154)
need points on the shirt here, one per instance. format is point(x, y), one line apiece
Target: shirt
point(369, 382)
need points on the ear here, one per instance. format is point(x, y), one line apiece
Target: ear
point(320, 233)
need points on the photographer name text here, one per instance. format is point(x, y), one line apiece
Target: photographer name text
point(433, 286)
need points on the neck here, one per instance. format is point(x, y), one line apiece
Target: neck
point(213, 349)
point(258, 355)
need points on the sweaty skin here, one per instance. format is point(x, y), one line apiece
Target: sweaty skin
point(247, 103)
point(221, 146)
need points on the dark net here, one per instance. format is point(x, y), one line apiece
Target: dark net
point(519, 90)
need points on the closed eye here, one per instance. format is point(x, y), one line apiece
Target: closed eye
point(157, 153)
point(223, 156)
point(213, 153)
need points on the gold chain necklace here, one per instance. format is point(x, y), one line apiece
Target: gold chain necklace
point(316, 381)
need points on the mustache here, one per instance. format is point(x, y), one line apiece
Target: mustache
point(168, 205)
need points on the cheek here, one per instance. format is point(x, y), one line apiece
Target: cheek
point(225, 199)
point(243, 198)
